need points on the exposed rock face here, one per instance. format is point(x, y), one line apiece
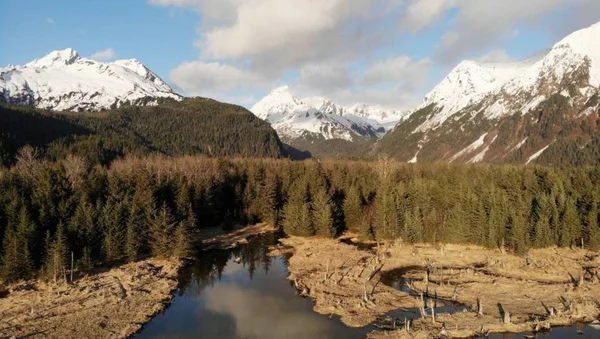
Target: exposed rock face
point(540, 109)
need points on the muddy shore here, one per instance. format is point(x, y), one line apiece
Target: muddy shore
point(548, 287)
point(115, 303)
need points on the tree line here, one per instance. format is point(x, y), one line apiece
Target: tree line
point(203, 127)
point(156, 205)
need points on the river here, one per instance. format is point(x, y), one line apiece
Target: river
point(243, 293)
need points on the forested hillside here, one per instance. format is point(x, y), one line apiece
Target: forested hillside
point(193, 126)
point(157, 205)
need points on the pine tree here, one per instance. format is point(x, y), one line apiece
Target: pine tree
point(352, 208)
point(543, 234)
point(457, 224)
point(162, 229)
point(365, 226)
point(16, 259)
point(185, 236)
point(85, 264)
point(518, 234)
point(386, 217)
point(570, 224)
point(268, 209)
point(296, 213)
point(135, 237)
point(57, 258)
point(322, 215)
point(114, 230)
point(593, 232)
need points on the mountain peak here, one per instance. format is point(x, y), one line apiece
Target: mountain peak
point(583, 43)
point(56, 58)
point(281, 89)
point(62, 80)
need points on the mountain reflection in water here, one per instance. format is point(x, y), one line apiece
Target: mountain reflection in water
point(219, 298)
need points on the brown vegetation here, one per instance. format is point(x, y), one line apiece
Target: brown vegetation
point(217, 238)
point(547, 287)
point(116, 303)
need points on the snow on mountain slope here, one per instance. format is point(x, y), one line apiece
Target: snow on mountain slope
point(504, 88)
point(62, 80)
point(294, 118)
point(518, 108)
point(469, 83)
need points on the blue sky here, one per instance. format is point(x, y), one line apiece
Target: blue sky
point(388, 52)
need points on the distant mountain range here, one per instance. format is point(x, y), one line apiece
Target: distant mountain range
point(543, 109)
point(65, 81)
point(319, 118)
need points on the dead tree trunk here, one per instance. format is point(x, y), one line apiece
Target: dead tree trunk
point(504, 313)
point(422, 307)
point(431, 306)
point(72, 260)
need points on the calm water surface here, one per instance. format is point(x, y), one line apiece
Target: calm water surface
point(243, 293)
point(219, 298)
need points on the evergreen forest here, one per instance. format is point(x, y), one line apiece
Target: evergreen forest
point(155, 205)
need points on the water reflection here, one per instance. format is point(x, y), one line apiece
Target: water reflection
point(220, 298)
point(576, 331)
point(397, 280)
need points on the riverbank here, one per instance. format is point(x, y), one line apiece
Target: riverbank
point(115, 303)
point(217, 238)
point(548, 287)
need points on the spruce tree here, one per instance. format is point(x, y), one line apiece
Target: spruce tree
point(58, 252)
point(571, 231)
point(593, 232)
point(135, 237)
point(386, 217)
point(322, 215)
point(16, 260)
point(352, 208)
point(518, 234)
point(543, 234)
point(184, 238)
point(267, 200)
point(162, 232)
point(296, 213)
point(114, 230)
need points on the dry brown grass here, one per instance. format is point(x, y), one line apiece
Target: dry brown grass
point(113, 304)
point(217, 238)
point(560, 281)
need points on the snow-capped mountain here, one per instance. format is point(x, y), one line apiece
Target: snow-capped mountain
point(63, 80)
point(294, 118)
point(489, 111)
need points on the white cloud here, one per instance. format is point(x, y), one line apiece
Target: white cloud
point(395, 97)
point(104, 55)
point(50, 21)
point(422, 13)
point(394, 83)
point(497, 55)
point(272, 36)
point(249, 45)
point(199, 78)
point(397, 70)
point(325, 77)
point(482, 24)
